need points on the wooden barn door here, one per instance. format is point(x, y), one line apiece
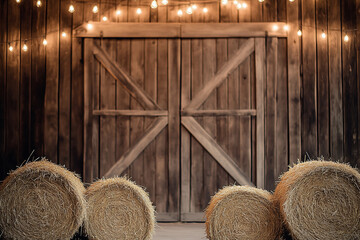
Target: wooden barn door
point(222, 118)
point(132, 98)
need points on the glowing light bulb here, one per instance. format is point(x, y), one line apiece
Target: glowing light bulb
point(104, 18)
point(18, 1)
point(323, 35)
point(164, 2)
point(205, 10)
point(236, 2)
point(25, 47)
point(38, 3)
point(238, 6)
point(244, 5)
point(45, 42)
point(299, 33)
point(224, 2)
point(118, 12)
point(11, 48)
point(346, 38)
point(189, 10)
point(275, 27)
point(261, 1)
point(138, 11)
point(89, 26)
point(194, 6)
point(291, 0)
point(180, 13)
point(154, 4)
point(95, 9)
point(63, 34)
point(286, 27)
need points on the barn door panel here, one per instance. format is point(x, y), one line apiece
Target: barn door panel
point(136, 122)
point(218, 78)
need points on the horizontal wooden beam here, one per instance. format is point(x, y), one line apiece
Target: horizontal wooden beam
point(193, 217)
point(146, 113)
point(124, 78)
point(228, 67)
point(215, 150)
point(167, 217)
point(215, 113)
point(125, 160)
point(180, 30)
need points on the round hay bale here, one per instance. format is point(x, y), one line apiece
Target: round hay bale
point(118, 209)
point(320, 200)
point(41, 200)
point(241, 212)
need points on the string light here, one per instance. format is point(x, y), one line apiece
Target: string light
point(238, 6)
point(104, 18)
point(205, 10)
point(89, 26)
point(236, 2)
point(194, 6)
point(118, 12)
point(286, 27)
point(299, 33)
point(180, 13)
point(11, 48)
point(63, 34)
point(18, 1)
point(45, 42)
point(189, 10)
point(38, 3)
point(71, 9)
point(244, 5)
point(95, 9)
point(25, 47)
point(138, 11)
point(154, 4)
point(260, 1)
point(164, 2)
point(291, 0)
point(346, 38)
point(224, 2)
point(275, 27)
point(323, 35)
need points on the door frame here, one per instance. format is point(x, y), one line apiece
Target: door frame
point(256, 32)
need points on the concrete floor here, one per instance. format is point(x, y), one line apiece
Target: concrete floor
point(180, 231)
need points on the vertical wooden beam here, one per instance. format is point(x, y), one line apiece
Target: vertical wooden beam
point(322, 81)
point(350, 94)
point(3, 53)
point(358, 70)
point(77, 94)
point(174, 123)
point(335, 81)
point(260, 66)
point(294, 81)
point(52, 83)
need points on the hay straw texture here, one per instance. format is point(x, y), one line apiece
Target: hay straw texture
point(41, 200)
point(118, 209)
point(320, 200)
point(241, 212)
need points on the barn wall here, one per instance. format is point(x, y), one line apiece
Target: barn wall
point(41, 90)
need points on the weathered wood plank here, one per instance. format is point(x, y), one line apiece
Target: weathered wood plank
point(12, 133)
point(65, 85)
point(294, 82)
point(124, 78)
point(350, 97)
point(260, 66)
point(25, 80)
point(220, 112)
point(270, 112)
point(174, 123)
point(77, 91)
point(148, 113)
point(185, 136)
point(335, 81)
point(215, 150)
point(309, 86)
point(51, 110)
point(239, 56)
point(154, 129)
point(150, 88)
point(322, 82)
